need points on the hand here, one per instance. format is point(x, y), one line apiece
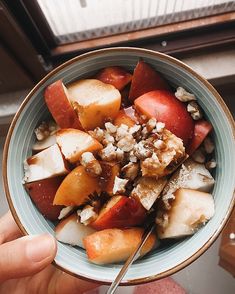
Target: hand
point(25, 264)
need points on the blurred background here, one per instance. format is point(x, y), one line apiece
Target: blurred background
point(38, 35)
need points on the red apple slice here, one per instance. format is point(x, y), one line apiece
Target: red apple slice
point(166, 108)
point(114, 75)
point(201, 130)
point(76, 187)
point(56, 97)
point(45, 164)
point(71, 231)
point(115, 245)
point(95, 102)
point(42, 193)
point(75, 142)
point(145, 79)
point(120, 212)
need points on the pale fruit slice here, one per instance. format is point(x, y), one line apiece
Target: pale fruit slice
point(148, 190)
point(44, 144)
point(56, 98)
point(45, 164)
point(95, 102)
point(75, 142)
point(71, 231)
point(191, 175)
point(115, 245)
point(76, 187)
point(189, 210)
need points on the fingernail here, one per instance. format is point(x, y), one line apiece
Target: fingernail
point(40, 247)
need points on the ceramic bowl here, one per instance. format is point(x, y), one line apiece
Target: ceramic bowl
point(162, 262)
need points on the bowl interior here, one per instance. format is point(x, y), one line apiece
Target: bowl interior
point(169, 258)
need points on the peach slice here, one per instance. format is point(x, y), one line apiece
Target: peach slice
point(45, 164)
point(95, 102)
point(42, 193)
point(76, 187)
point(75, 142)
point(115, 245)
point(120, 212)
point(109, 171)
point(188, 211)
point(71, 231)
point(56, 98)
point(114, 75)
point(123, 118)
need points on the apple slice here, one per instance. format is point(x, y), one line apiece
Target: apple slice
point(76, 187)
point(71, 231)
point(95, 102)
point(148, 190)
point(42, 193)
point(114, 75)
point(120, 212)
point(45, 164)
point(115, 245)
point(109, 171)
point(189, 210)
point(44, 144)
point(201, 130)
point(145, 79)
point(75, 142)
point(56, 97)
point(166, 108)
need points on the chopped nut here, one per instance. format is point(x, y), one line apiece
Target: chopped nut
point(119, 185)
point(144, 133)
point(199, 156)
point(132, 157)
point(141, 152)
point(151, 124)
point(87, 215)
point(159, 127)
point(133, 130)
point(108, 139)
point(126, 143)
point(183, 95)
point(162, 219)
point(159, 144)
point(91, 164)
point(108, 153)
point(42, 132)
point(211, 164)
point(111, 128)
point(119, 154)
point(98, 134)
point(208, 145)
point(151, 166)
point(130, 170)
point(194, 109)
point(122, 132)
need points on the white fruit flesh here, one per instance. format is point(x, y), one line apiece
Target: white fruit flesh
point(190, 209)
point(94, 101)
point(45, 164)
point(148, 190)
point(75, 142)
point(71, 231)
point(65, 211)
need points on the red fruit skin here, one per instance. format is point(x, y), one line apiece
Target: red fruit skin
point(60, 107)
point(114, 75)
point(201, 130)
point(42, 193)
point(145, 79)
point(166, 108)
point(127, 212)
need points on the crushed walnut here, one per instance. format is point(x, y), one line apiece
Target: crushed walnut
point(87, 215)
point(184, 96)
point(91, 164)
point(45, 129)
point(119, 185)
point(194, 109)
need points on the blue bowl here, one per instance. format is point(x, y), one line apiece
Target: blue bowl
point(162, 262)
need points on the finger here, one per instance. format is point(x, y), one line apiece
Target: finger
point(26, 256)
point(62, 282)
point(8, 228)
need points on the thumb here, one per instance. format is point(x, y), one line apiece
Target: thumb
point(26, 256)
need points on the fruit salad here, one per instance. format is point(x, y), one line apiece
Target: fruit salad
point(121, 146)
